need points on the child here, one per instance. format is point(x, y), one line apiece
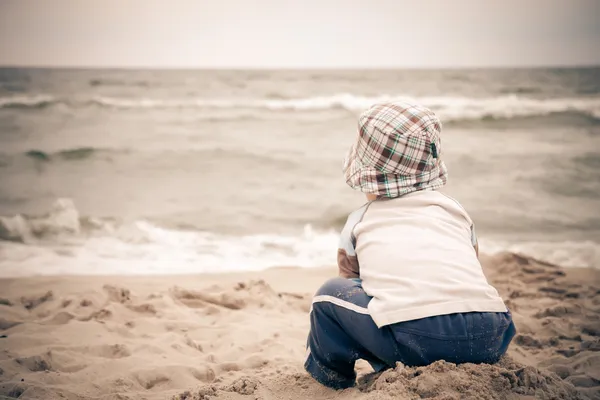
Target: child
point(422, 295)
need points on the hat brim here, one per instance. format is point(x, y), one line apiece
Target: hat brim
point(370, 180)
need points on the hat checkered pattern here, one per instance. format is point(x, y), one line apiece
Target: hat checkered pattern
point(397, 151)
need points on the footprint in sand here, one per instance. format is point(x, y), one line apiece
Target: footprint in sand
point(240, 296)
point(5, 302)
point(52, 360)
point(583, 381)
point(592, 329)
point(61, 318)
point(151, 379)
point(124, 296)
point(34, 301)
point(7, 324)
point(117, 294)
point(143, 308)
point(100, 316)
point(66, 303)
point(13, 391)
point(112, 351)
point(563, 371)
point(591, 345)
point(230, 366)
point(57, 360)
point(197, 299)
point(36, 363)
point(163, 379)
point(558, 311)
point(191, 343)
point(86, 303)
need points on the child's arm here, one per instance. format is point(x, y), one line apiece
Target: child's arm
point(347, 259)
point(347, 265)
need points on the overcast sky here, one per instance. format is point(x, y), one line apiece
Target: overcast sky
point(300, 33)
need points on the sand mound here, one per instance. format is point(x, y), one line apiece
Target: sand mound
point(445, 381)
point(439, 381)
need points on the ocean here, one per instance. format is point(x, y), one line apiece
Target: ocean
point(196, 171)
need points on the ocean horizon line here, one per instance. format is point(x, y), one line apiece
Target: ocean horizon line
point(302, 69)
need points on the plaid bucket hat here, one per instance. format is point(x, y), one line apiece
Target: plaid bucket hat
point(397, 151)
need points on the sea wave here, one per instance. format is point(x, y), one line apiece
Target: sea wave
point(25, 102)
point(116, 82)
point(42, 157)
point(81, 154)
point(78, 153)
point(64, 242)
point(63, 218)
point(450, 109)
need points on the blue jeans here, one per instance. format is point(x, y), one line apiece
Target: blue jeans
point(342, 331)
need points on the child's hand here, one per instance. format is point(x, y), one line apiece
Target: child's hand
point(348, 274)
point(347, 265)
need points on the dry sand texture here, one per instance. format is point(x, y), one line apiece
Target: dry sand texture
point(242, 336)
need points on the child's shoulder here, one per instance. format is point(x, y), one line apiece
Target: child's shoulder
point(423, 200)
point(416, 198)
point(450, 199)
point(347, 238)
point(357, 215)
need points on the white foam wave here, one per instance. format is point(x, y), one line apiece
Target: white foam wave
point(145, 249)
point(26, 101)
point(448, 108)
point(63, 218)
point(59, 243)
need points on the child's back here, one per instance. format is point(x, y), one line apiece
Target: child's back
point(417, 259)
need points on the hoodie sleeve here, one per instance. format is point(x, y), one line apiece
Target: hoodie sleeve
point(347, 259)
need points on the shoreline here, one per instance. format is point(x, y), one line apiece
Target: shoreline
point(230, 335)
point(321, 271)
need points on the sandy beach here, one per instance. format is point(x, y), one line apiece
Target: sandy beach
point(178, 179)
point(242, 336)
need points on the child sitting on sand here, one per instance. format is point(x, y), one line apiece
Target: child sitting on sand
point(422, 295)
